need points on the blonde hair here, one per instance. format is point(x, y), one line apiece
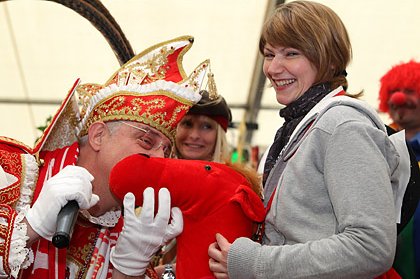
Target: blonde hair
point(316, 31)
point(221, 149)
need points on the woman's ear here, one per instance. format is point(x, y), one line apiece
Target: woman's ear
point(96, 133)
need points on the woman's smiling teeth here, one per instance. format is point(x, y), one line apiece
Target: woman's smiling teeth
point(193, 145)
point(284, 82)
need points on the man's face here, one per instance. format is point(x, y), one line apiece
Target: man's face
point(132, 137)
point(119, 140)
point(406, 115)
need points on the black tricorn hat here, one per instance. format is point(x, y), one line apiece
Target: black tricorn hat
point(215, 108)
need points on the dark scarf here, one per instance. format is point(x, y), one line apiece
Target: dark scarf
point(292, 115)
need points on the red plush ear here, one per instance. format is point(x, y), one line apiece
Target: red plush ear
point(250, 203)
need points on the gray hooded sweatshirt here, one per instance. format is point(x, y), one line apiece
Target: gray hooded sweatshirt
point(332, 213)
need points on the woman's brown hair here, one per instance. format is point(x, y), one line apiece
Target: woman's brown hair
point(316, 31)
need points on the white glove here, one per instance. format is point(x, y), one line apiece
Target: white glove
point(71, 183)
point(143, 235)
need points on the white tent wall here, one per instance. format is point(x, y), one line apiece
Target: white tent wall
point(45, 46)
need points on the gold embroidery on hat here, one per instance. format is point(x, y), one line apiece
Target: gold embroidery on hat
point(147, 67)
point(86, 92)
point(65, 126)
point(138, 72)
point(149, 71)
point(211, 86)
point(114, 107)
point(185, 48)
point(193, 80)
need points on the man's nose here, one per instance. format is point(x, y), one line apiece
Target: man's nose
point(398, 99)
point(159, 153)
point(401, 99)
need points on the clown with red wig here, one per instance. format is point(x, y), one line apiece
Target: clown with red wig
point(399, 96)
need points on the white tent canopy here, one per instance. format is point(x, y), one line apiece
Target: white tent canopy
point(45, 46)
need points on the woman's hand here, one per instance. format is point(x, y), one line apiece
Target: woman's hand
point(218, 252)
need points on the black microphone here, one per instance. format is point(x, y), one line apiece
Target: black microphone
point(66, 219)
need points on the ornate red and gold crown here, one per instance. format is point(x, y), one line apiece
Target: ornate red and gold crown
point(151, 88)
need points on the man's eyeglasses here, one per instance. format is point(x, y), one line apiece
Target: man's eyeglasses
point(151, 141)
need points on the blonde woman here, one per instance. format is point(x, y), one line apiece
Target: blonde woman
point(201, 134)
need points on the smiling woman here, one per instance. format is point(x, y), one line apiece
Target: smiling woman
point(289, 71)
point(331, 170)
point(201, 134)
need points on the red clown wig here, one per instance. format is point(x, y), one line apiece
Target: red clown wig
point(400, 77)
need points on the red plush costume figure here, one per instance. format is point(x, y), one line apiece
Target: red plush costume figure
point(214, 198)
